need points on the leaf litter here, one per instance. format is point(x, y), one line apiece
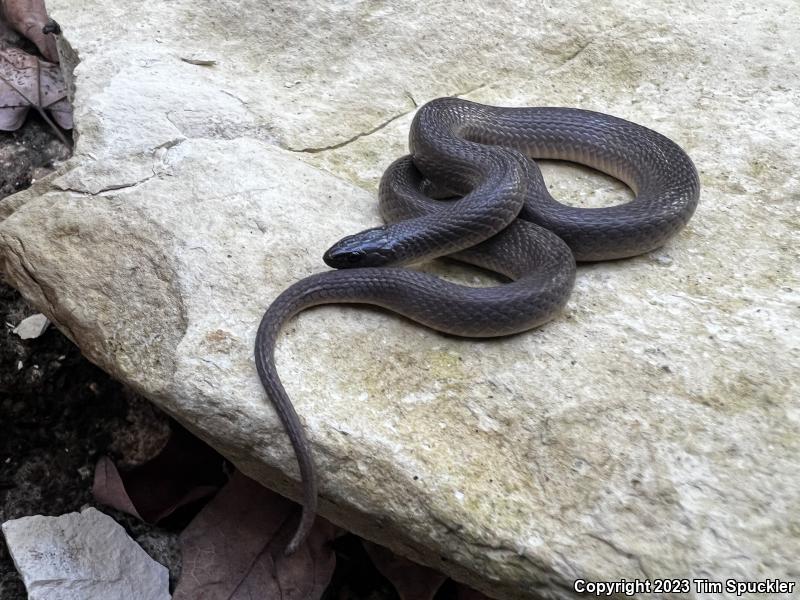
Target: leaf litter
point(29, 82)
point(412, 581)
point(186, 470)
point(234, 549)
point(29, 18)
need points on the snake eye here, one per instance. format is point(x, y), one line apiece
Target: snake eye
point(354, 257)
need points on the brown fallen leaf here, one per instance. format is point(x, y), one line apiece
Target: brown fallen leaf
point(412, 581)
point(184, 471)
point(233, 550)
point(29, 17)
point(27, 81)
point(109, 489)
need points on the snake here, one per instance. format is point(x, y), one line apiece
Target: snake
point(470, 190)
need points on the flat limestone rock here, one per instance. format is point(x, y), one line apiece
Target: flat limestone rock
point(651, 431)
point(82, 556)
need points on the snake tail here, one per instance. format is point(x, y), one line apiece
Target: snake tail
point(421, 297)
point(499, 216)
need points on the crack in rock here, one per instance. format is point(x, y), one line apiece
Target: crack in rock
point(354, 138)
point(157, 167)
point(112, 187)
point(414, 106)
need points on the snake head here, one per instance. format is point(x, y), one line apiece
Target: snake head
point(369, 248)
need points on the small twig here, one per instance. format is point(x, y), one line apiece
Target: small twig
point(37, 106)
point(54, 127)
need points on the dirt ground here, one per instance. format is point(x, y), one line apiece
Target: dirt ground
point(59, 414)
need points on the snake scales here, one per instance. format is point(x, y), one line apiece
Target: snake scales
point(498, 215)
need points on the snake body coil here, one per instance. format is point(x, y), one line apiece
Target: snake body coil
point(499, 216)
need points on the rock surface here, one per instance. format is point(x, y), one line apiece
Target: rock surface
point(651, 431)
point(82, 556)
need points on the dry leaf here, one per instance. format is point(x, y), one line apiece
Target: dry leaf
point(412, 581)
point(109, 489)
point(29, 17)
point(184, 471)
point(27, 81)
point(233, 550)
